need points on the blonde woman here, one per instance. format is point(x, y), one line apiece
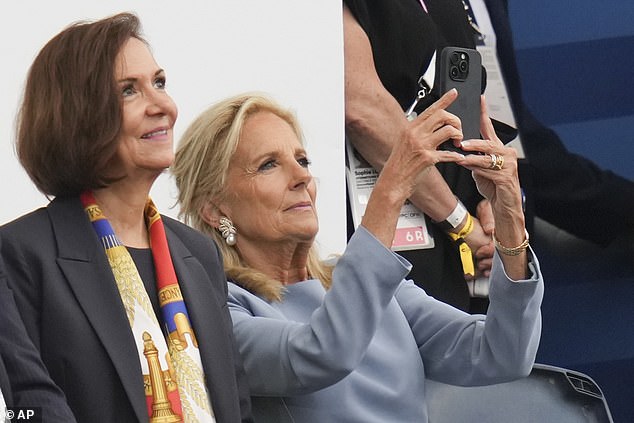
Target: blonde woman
point(354, 342)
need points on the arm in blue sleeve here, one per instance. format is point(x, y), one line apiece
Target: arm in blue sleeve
point(283, 357)
point(463, 349)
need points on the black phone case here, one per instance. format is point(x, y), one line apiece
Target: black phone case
point(468, 82)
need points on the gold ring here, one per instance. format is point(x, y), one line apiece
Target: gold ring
point(499, 162)
point(494, 160)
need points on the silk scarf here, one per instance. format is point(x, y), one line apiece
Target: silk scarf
point(173, 375)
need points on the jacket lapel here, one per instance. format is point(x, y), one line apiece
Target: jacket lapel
point(84, 263)
point(204, 306)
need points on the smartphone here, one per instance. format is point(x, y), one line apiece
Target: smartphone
point(461, 68)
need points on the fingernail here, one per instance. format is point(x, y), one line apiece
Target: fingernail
point(465, 143)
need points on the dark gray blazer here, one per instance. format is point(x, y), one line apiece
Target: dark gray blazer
point(67, 295)
point(24, 380)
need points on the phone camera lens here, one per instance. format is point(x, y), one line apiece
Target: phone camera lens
point(455, 58)
point(464, 66)
point(454, 72)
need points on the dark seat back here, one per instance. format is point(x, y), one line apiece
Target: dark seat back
point(549, 394)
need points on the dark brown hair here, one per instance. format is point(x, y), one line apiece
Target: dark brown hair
point(70, 118)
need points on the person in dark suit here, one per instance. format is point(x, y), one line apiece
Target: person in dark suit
point(571, 192)
point(24, 380)
point(388, 46)
point(127, 307)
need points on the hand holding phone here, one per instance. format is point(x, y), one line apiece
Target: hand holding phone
point(461, 68)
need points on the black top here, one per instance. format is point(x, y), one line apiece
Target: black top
point(144, 262)
point(403, 39)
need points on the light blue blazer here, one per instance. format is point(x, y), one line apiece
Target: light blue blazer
point(362, 350)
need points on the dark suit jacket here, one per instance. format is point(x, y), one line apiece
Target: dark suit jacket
point(71, 307)
point(24, 380)
point(565, 189)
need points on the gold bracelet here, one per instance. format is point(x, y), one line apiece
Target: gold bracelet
point(515, 251)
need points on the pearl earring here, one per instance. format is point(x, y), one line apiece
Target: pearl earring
point(228, 231)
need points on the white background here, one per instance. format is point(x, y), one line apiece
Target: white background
point(291, 49)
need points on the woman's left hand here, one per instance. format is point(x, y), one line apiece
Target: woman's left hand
point(496, 176)
point(495, 170)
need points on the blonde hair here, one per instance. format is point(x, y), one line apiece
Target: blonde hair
point(200, 170)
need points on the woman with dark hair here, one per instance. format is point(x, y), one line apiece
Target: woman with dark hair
point(127, 307)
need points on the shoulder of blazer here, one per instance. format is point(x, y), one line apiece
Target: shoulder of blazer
point(184, 231)
point(199, 245)
point(26, 225)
